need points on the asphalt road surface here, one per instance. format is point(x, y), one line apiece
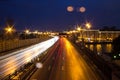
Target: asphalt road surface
point(11, 62)
point(64, 62)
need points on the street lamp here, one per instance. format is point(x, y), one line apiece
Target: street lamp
point(79, 28)
point(70, 8)
point(9, 29)
point(88, 25)
point(36, 32)
point(82, 10)
point(79, 32)
point(27, 31)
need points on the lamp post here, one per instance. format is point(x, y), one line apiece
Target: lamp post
point(78, 9)
point(27, 31)
point(78, 28)
point(9, 31)
point(79, 31)
point(88, 26)
point(70, 8)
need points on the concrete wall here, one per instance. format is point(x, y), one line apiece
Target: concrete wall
point(7, 45)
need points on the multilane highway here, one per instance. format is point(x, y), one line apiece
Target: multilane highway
point(13, 61)
point(64, 62)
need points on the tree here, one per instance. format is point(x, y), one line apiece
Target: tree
point(10, 21)
point(116, 44)
point(116, 48)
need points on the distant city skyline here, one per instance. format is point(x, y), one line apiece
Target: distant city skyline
point(53, 15)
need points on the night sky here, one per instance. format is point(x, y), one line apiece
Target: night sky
point(53, 14)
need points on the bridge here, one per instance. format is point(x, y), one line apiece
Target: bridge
point(93, 35)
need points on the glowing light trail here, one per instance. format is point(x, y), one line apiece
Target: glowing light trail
point(11, 62)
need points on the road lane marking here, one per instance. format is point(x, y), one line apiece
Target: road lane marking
point(63, 58)
point(62, 68)
point(34, 79)
point(53, 58)
point(49, 68)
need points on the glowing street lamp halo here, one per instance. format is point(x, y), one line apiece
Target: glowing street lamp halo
point(70, 8)
point(9, 29)
point(88, 25)
point(82, 9)
point(78, 28)
point(27, 31)
point(36, 31)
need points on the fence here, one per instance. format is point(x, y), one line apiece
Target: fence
point(7, 45)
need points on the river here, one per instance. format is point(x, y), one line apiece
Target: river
point(100, 48)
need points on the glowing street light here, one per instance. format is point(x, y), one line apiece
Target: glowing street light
point(27, 31)
point(36, 32)
point(82, 9)
point(88, 25)
point(9, 29)
point(70, 8)
point(78, 28)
